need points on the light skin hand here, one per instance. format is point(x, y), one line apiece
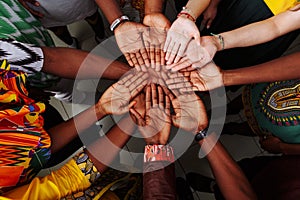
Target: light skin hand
point(129, 39)
point(206, 78)
point(190, 112)
point(32, 11)
point(116, 98)
point(178, 38)
point(155, 125)
point(155, 39)
point(195, 56)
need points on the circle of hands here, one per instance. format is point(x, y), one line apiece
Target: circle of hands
point(152, 88)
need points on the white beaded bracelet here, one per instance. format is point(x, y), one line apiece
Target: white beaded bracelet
point(118, 21)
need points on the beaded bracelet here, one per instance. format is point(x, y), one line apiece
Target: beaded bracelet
point(118, 21)
point(221, 40)
point(188, 13)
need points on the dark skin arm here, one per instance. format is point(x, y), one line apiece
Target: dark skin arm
point(66, 62)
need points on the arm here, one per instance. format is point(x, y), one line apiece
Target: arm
point(229, 177)
point(262, 31)
point(273, 144)
point(67, 62)
point(110, 9)
point(154, 6)
point(265, 72)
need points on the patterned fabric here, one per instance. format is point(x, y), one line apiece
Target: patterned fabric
point(24, 144)
point(18, 24)
point(274, 108)
point(26, 58)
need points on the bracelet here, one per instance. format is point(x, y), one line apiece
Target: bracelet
point(187, 15)
point(118, 21)
point(221, 40)
point(158, 153)
point(187, 11)
point(201, 135)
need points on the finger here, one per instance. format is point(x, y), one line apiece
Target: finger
point(131, 104)
point(181, 51)
point(148, 98)
point(137, 116)
point(134, 59)
point(167, 43)
point(197, 38)
point(168, 93)
point(209, 23)
point(157, 59)
point(168, 105)
point(162, 58)
point(145, 57)
point(186, 90)
point(181, 65)
point(173, 53)
point(138, 83)
point(169, 50)
point(152, 55)
point(125, 79)
point(128, 58)
point(154, 95)
point(139, 58)
point(160, 97)
point(176, 80)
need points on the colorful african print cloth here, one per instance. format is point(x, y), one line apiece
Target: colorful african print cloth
point(18, 24)
point(24, 144)
point(274, 108)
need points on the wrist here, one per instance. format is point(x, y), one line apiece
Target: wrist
point(282, 148)
point(218, 41)
point(100, 111)
point(158, 152)
point(118, 22)
point(187, 13)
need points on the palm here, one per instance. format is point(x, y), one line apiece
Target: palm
point(189, 110)
point(157, 20)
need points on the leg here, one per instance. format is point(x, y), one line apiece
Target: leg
point(96, 22)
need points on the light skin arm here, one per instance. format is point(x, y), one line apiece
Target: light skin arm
point(197, 7)
point(262, 31)
point(66, 62)
point(228, 175)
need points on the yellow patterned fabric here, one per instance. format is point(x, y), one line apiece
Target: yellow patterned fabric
point(24, 144)
point(65, 181)
point(278, 6)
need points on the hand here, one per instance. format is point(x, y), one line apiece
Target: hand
point(190, 112)
point(155, 126)
point(195, 56)
point(206, 78)
point(32, 11)
point(129, 39)
point(179, 37)
point(209, 15)
point(271, 144)
point(116, 98)
point(157, 20)
point(154, 41)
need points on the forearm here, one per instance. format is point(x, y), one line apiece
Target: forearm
point(229, 177)
point(263, 31)
point(283, 68)
point(110, 9)
point(290, 149)
point(154, 6)
point(65, 132)
point(104, 150)
point(72, 63)
point(197, 6)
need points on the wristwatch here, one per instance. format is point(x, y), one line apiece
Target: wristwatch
point(201, 135)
